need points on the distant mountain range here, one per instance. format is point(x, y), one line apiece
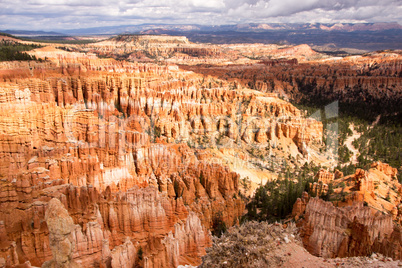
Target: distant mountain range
point(23, 33)
point(364, 36)
point(255, 27)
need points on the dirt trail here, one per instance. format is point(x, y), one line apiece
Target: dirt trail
point(348, 143)
point(356, 135)
point(376, 121)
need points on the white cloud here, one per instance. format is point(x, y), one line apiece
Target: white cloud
point(59, 14)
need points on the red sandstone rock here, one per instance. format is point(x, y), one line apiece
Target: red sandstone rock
point(328, 231)
point(324, 176)
point(61, 228)
point(124, 255)
point(385, 168)
point(108, 139)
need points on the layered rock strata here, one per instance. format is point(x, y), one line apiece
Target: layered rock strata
point(362, 218)
point(126, 149)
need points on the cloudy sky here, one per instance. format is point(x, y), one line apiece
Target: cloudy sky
point(72, 14)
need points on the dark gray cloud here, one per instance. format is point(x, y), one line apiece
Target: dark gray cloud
point(67, 14)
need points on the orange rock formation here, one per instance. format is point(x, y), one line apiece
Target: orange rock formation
point(125, 148)
point(365, 221)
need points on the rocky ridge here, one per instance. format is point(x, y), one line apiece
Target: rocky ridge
point(373, 79)
point(361, 216)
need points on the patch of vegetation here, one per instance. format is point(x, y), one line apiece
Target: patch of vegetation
point(252, 244)
point(157, 131)
point(274, 200)
point(68, 40)
point(246, 102)
point(139, 258)
point(8, 35)
point(381, 142)
point(10, 50)
point(344, 154)
point(140, 253)
point(219, 139)
point(218, 225)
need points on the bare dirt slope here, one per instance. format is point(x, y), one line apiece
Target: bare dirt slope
point(259, 244)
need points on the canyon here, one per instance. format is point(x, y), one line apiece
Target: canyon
point(127, 152)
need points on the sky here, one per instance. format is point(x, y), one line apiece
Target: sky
point(74, 14)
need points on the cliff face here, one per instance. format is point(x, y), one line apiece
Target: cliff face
point(61, 228)
point(330, 232)
point(363, 222)
point(129, 150)
point(372, 80)
point(167, 230)
point(161, 224)
point(148, 48)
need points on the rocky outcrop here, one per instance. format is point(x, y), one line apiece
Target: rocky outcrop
point(329, 231)
point(324, 176)
point(150, 48)
point(277, 246)
point(124, 255)
point(61, 228)
point(363, 183)
point(8, 253)
point(372, 81)
point(299, 206)
point(362, 217)
point(385, 168)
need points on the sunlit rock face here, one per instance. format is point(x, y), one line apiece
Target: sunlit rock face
point(109, 163)
point(61, 228)
point(361, 221)
point(372, 80)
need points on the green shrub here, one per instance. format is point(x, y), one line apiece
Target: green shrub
point(218, 225)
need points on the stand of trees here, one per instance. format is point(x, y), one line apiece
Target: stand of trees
point(274, 200)
point(10, 50)
point(382, 142)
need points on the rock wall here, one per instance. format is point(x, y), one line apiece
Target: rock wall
point(356, 230)
point(61, 228)
point(372, 80)
point(330, 231)
point(363, 216)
